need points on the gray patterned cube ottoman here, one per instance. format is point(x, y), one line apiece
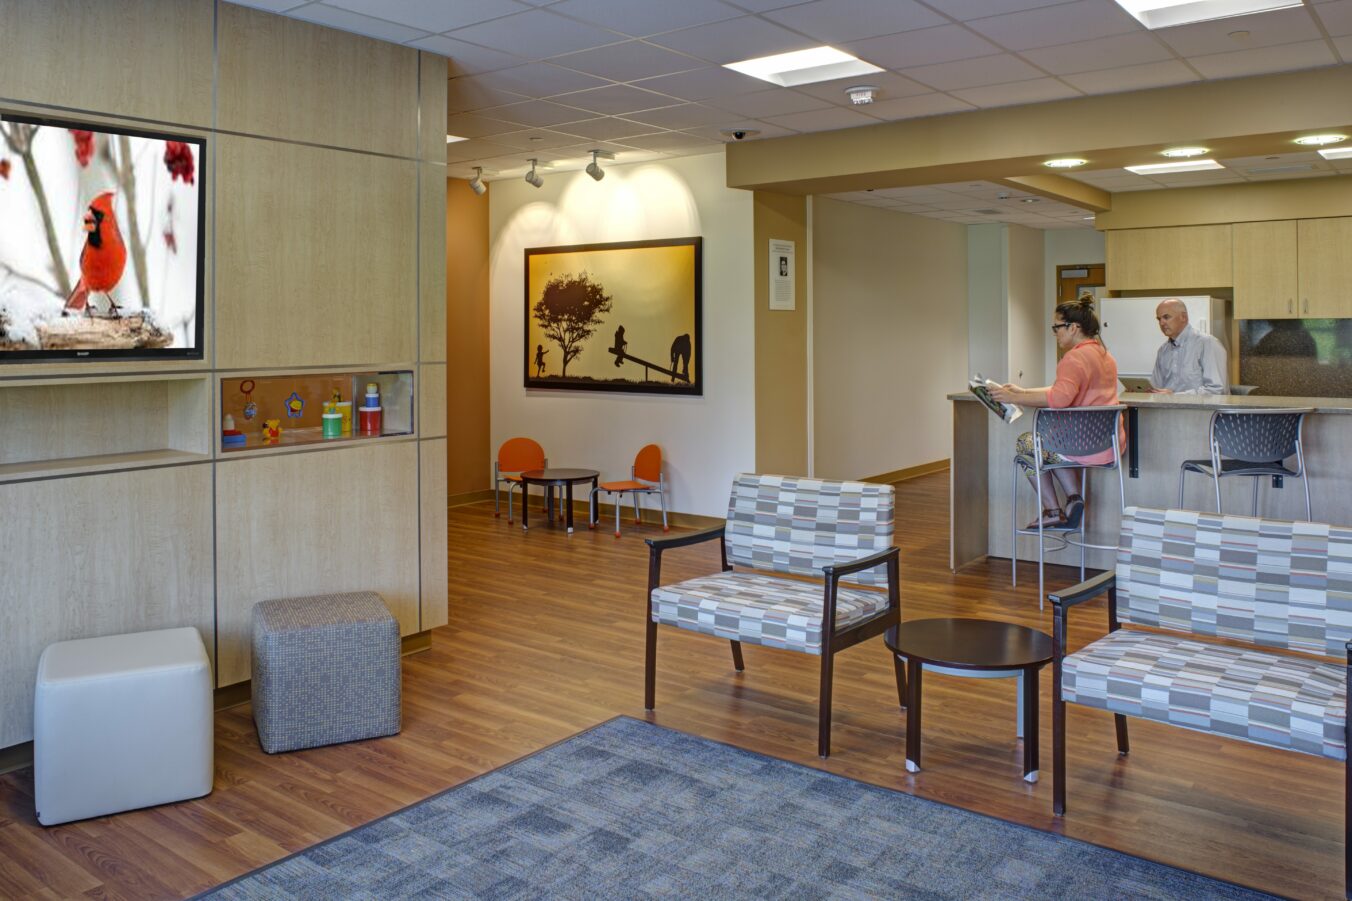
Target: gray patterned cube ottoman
point(325, 670)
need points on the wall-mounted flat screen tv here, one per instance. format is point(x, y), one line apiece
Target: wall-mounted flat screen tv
point(101, 242)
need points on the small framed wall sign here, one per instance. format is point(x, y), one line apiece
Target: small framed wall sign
point(781, 275)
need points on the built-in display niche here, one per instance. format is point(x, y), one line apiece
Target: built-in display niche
point(275, 411)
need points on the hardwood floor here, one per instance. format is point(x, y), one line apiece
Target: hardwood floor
point(546, 639)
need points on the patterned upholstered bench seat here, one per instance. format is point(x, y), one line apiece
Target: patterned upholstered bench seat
point(782, 526)
point(325, 670)
point(1278, 593)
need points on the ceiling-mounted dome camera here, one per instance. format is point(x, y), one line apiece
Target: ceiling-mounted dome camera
point(738, 134)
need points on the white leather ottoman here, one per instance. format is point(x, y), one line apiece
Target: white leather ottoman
point(121, 722)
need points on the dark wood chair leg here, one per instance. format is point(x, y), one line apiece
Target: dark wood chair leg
point(737, 663)
point(1120, 721)
point(1058, 744)
point(1030, 724)
point(913, 671)
point(650, 667)
point(824, 712)
point(901, 678)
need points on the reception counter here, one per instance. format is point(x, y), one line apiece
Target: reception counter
point(1168, 430)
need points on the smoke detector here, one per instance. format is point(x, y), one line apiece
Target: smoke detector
point(862, 93)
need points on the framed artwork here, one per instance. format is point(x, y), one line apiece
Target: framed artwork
point(615, 317)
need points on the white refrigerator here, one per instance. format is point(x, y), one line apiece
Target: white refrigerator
point(1133, 337)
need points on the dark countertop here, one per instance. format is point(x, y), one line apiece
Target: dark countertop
point(1214, 402)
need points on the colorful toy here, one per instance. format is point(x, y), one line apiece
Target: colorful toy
point(230, 436)
point(333, 425)
point(250, 408)
point(295, 406)
point(344, 408)
point(272, 431)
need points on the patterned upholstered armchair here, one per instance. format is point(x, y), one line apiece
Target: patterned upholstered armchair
point(779, 526)
point(1265, 586)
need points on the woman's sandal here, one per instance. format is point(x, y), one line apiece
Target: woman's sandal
point(1052, 518)
point(1074, 511)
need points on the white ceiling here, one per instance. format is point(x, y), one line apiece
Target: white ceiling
point(643, 79)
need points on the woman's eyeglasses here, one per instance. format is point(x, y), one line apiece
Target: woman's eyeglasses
point(1059, 326)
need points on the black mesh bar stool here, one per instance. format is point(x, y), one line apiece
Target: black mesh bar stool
point(1073, 431)
point(1252, 443)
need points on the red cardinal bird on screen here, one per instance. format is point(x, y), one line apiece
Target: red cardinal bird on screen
point(103, 259)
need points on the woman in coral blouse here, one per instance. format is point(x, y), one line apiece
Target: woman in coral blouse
point(1085, 377)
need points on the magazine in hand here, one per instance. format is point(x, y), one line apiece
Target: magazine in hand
point(981, 388)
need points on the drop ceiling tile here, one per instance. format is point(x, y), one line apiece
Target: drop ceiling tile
point(537, 33)
point(686, 115)
point(673, 142)
point(540, 80)
point(642, 19)
point(628, 61)
point(616, 99)
point(272, 6)
point(774, 102)
point(734, 40)
point(464, 58)
point(1344, 45)
point(535, 140)
point(934, 104)
point(1283, 26)
point(889, 85)
point(834, 21)
point(963, 10)
point(703, 84)
point(1304, 55)
point(1274, 176)
point(1100, 53)
point(355, 22)
point(922, 48)
point(1272, 159)
point(473, 150)
point(1180, 182)
point(1337, 17)
point(580, 154)
point(469, 125)
point(822, 120)
point(760, 6)
point(1132, 78)
point(973, 73)
point(1060, 24)
point(432, 15)
point(469, 93)
point(607, 128)
point(537, 113)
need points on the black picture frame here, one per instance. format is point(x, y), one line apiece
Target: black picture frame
point(671, 362)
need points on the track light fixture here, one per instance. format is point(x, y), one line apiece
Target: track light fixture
point(476, 183)
point(594, 170)
point(531, 177)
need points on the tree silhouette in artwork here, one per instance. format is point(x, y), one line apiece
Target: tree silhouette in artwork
point(569, 311)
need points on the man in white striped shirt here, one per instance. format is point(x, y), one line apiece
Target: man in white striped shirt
point(1189, 362)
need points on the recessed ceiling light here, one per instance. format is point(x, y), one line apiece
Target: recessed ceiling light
point(1340, 153)
point(1069, 162)
point(1175, 152)
point(1321, 140)
point(804, 66)
point(1087, 217)
point(1029, 199)
point(1165, 168)
point(1167, 13)
point(451, 139)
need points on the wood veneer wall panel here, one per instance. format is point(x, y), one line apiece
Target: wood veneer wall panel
point(432, 400)
point(337, 520)
point(98, 555)
point(82, 55)
point(432, 262)
point(315, 256)
point(64, 421)
point(433, 533)
point(290, 79)
point(432, 77)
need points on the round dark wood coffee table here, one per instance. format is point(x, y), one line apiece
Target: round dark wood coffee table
point(975, 648)
point(551, 479)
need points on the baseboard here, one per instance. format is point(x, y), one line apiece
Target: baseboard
point(910, 472)
point(471, 497)
point(606, 513)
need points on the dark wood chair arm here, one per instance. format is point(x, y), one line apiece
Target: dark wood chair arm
point(662, 544)
point(1085, 591)
point(844, 569)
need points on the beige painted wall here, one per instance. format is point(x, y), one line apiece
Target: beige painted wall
point(889, 337)
point(469, 456)
point(1028, 304)
point(780, 340)
point(1063, 247)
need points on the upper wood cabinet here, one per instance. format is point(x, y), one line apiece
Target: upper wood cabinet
point(1293, 269)
point(1169, 259)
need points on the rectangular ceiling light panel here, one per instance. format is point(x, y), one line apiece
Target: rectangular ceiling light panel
point(804, 67)
point(1165, 168)
point(1166, 13)
point(1338, 153)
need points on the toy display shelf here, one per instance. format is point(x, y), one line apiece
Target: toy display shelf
point(281, 395)
point(70, 426)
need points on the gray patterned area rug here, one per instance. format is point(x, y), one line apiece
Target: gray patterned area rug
point(632, 810)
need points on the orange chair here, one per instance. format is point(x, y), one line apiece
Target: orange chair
point(517, 455)
point(646, 479)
